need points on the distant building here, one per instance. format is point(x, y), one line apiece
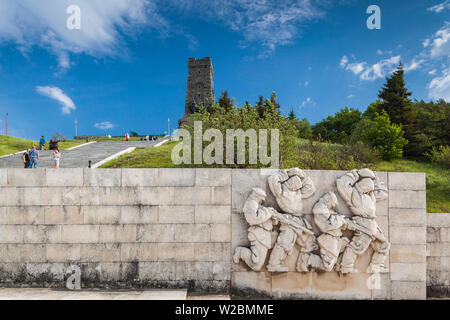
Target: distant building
point(200, 87)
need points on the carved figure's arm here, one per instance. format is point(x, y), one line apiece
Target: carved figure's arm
point(275, 181)
point(333, 222)
point(381, 192)
point(258, 216)
point(345, 185)
point(308, 188)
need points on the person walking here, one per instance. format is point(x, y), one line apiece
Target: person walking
point(42, 143)
point(26, 158)
point(34, 157)
point(127, 136)
point(56, 158)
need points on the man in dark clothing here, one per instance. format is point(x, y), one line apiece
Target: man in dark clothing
point(26, 158)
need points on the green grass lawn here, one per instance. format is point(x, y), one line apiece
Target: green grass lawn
point(10, 144)
point(153, 157)
point(438, 181)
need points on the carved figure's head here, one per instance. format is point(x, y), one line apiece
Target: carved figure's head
point(259, 194)
point(365, 185)
point(330, 199)
point(294, 183)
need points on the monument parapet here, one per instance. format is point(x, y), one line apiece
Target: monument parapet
point(178, 228)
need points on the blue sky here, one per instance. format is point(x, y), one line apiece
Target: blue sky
point(126, 67)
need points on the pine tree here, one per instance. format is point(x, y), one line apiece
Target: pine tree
point(260, 106)
point(273, 100)
point(292, 115)
point(225, 101)
point(395, 101)
point(395, 98)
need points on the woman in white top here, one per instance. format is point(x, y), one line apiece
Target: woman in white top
point(56, 157)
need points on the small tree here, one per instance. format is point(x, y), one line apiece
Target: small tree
point(291, 115)
point(225, 101)
point(339, 127)
point(259, 105)
point(395, 98)
point(379, 133)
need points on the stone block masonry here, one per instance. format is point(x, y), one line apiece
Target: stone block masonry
point(178, 228)
point(438, 255)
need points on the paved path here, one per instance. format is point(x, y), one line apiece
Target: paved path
point(79, 157)
point(63, 294)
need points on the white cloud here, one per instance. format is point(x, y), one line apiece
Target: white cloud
point(105, 125)
point(57, 94)
point(432, 72)
point(356, 68)
point(269, 23)
point(439, 43)
point(350, 96)
point(440, 7)
point(380, 69)
point(29, 23)
point(307, 101)
point(373, 72)
point(381, 52)
point(306, 83)
point(439, 87)
point(343, 62)
point(413, 65)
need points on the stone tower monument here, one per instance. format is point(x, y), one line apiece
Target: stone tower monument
point(200, 88)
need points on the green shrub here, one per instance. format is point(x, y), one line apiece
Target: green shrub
point(338, 127)
point(378, 132)
point(248, 117)
point(441, 156)
point(324, 156)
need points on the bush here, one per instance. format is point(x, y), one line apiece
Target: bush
point(324, 156)
point(339, 127)
point(248, 117)
point(378, 132)
point(441, 156)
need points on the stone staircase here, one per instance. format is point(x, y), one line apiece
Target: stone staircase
point(79, 157)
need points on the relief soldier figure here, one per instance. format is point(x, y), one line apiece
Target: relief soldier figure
point(290, 187)
point(331, 242)
point(259, 233)
point(361, 190)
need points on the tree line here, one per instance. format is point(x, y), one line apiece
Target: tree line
point(394, 126)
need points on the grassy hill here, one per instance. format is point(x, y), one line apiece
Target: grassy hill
point(438, 179)
point(10, 144)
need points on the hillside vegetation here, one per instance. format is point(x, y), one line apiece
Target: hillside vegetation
point(10, 144)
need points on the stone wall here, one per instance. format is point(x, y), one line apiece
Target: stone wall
point(153, 227)
point(179, 228)
point(438, 255)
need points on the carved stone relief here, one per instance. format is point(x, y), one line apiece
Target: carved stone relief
point(330, 250)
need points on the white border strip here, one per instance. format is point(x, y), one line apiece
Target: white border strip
point(161, 143)
point(114, 156)
point(12, 154)
point(79, 146)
